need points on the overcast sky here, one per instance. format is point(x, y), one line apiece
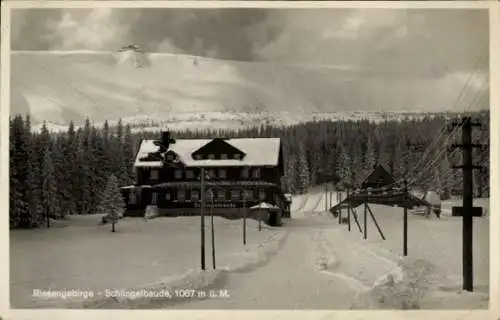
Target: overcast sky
point(382, 43)
point(425, 41)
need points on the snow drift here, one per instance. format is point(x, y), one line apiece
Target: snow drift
point(416, 284)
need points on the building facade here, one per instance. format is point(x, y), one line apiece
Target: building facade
point(232, 174)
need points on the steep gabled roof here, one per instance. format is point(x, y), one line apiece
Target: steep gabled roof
point(218, 143)
point(378, 178)
point(259, 152)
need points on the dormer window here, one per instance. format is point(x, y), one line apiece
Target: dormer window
point(223, 156)
point(211, 156)
point(170, 157)
point(237, 156)
point(198, 157)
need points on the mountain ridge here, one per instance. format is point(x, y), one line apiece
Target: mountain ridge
point(59, 87)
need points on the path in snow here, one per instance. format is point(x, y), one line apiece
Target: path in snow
point(291, 280)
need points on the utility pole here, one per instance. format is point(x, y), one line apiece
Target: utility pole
point(405, 220)
point(244, 217)
point(202, 214)
point(467, 206)
point(213, 228)
point(326, 197)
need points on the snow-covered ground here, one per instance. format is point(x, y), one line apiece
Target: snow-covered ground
point(80, 254)
point(311, 262)
point(323, 266)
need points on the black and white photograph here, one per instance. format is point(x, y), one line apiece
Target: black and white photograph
point(253, 158)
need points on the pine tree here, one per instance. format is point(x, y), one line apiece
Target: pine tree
point(112, 204)
point(70, 190)
point(303, 173)
point(129, 156)
point(369, 158)
point(19, 174)
point(49, 189)
point(344, 171)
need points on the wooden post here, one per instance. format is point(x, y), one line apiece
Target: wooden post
point(349, 218)
point(405, 220)
point(213, 231)
point(202, 214)
point(260, 219)
point(113, 221)
point(244, 218)
point(355, 215)
point(47, 217)
point(365, 233)
point(375, 221)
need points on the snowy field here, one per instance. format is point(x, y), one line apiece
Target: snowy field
point(84, 255)
point(316, 262)
point(436, 241)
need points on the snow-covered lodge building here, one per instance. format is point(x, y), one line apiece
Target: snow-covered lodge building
point(238, 174)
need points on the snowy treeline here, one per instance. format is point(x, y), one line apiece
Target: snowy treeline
point(66, 173)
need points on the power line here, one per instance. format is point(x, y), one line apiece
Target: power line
point(441, 132)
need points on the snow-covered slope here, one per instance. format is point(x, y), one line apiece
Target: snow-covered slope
point(61, 86)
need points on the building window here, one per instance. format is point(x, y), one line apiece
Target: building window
point(248, 195)
point(209, 195)
point(256, 173)
point(262, 194)
point(237, 156)
point(132, 197)
point(154, 197)
point(189, 174)
point(223, 156)
point(222, 173)
point(244, 173)
point(221, 195)
point(154, 174)
point(235, 194)
point(195, 195)
point(170, 157)
point(211, 173)
point(178, 174)
point(168, 196)
point(181, 195)
point(211, 157)
point(198, 157)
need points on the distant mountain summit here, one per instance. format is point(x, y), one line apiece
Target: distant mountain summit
point(132, 55)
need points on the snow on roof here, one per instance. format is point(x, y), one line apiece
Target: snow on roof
point(259, 152)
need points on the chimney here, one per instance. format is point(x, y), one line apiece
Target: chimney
point(165, 139)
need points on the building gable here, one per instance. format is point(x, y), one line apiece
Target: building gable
point(379, 178)
point(218, 149)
